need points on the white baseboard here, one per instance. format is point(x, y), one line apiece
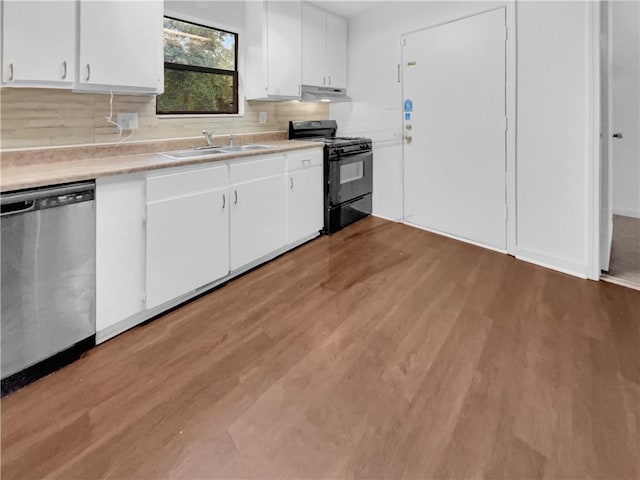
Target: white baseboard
point(559, 264)
point(396, 220)
point(460, 239)
point(627, 212)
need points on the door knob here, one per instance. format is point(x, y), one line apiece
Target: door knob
point(617, 135)
point(408, 138)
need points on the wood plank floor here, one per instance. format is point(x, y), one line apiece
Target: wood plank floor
point(380, 352)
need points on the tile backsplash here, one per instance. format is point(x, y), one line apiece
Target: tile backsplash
point(34, 117)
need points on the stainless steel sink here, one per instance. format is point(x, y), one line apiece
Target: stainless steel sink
point(205, 151)
point(192, 153)
point(246, 148)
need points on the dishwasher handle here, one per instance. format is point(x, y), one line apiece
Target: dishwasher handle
point(17, 207)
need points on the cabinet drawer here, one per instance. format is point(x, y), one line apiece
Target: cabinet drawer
point(161, 186)
point(304, 159)
point(245, 170)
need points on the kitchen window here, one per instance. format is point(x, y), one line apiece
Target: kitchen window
point(200, 70)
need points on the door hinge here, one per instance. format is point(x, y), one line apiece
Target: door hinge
point(398, 73)
point(506, 123)
point(144, 216)
point(506, 32)
point(506, 212)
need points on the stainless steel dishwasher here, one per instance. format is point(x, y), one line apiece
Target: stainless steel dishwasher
point(48, 280)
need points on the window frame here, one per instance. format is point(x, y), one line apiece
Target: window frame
point(196, 68)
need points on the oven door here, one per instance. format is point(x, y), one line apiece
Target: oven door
point(350, 176)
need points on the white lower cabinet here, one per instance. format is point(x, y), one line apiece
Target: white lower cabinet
point(163, 235)
point(258, 213)
point(187, 232)
point(304, 195)
point(120, 249)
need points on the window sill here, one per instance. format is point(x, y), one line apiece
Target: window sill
point(161, 116)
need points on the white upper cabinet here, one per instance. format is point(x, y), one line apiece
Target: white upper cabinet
point(336, 51)
point(38, 43)
point(121, 46)
point(274, 49)
point(324, 48)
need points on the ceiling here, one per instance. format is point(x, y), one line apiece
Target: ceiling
point(349, 8)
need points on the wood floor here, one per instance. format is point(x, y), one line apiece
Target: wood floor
point(380, 352)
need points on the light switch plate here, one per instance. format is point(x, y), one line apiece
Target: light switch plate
point(262, 117)
point(128, 121)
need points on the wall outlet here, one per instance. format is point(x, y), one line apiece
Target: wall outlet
point(128, 121)
point(262, 117)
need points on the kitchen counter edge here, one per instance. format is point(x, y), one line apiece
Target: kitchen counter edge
point(18, 177)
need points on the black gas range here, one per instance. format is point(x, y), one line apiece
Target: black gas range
point(348, 172)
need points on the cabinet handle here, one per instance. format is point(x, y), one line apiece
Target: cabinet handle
point(329, 80)
point(324, 80)
point(11, 72)
point(88, 72)
point(235, 193)
point(299, 92)
point(224, 201)
point(291, 183)
point(64, 66)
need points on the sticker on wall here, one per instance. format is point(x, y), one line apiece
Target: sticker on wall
point(407, 116)
point(408, 106)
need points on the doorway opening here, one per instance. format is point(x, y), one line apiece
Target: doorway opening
point(620, 137)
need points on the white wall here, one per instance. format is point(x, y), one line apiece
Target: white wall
point(552, 120)
point(553, 137)
point(625, 38)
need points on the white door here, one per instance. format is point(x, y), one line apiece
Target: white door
point(258, 219)
point(625, 111)
point(454, 164)
point(38, 42)
point(305, 202)
point(606, 170)
point(187, 244)
point(336, 51)
point(121, 43)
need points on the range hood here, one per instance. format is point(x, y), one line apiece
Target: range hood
point(323, 94)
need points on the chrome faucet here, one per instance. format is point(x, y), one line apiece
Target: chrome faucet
point(208, 136)
point(231, 139)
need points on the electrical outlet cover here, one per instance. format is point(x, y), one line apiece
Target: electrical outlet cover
point(128, 121)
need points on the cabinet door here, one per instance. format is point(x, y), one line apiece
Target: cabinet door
point(284, 49)
point(304, 203)
point(121, 44)
point(258, 219)
point(314, 32)
point(187, 244)
point(336, 51)
point(120, 248)
point(38, 42)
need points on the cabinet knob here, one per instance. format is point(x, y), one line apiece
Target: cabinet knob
point(11, 72)
point(618, 135)
point(64, 69)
